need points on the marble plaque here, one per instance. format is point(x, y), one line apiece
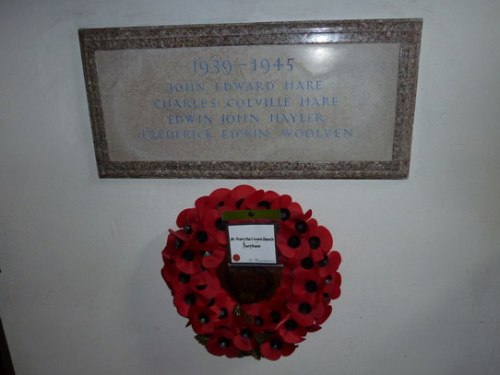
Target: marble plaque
point(332, 99)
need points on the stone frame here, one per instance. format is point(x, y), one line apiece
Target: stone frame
point(406, 32)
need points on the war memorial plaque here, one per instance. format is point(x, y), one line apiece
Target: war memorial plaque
point(297, 100)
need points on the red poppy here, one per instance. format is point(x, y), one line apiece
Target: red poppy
point(330, 263)
point(172, 275)
point(189, 261)
point(195, 252)
point(202, 283)
point(213, 258)
point(222, 200)
point(216, 199)
point(277, 311)
point(214, 225)
point(223, 307)
point(244, 339)
point(306, 285)
point(265, 315)
point(291, 331)
point(185, 299)
point(258, 315)
point(326, 314)
point(319, 239)
point(300, 263)
point(282, 203)
point(172, 246)
point(290, 243)
point(187, 217)
point(304, 312)
point(260, 200)
point(332, 286)
point(202, 319)
point(221, 343)
point(292, 211)
point(241, 192)
point(275, 347)
point(168, 270)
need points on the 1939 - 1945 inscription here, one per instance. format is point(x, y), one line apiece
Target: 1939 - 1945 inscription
point(330, 99)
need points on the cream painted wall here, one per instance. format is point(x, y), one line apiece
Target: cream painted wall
point(80, 288)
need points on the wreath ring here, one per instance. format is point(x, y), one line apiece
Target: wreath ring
point(286, 303)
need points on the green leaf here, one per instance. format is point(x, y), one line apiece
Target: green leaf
point(261, 337)
point(202, 339)
point(251, 214)
point(256, 354)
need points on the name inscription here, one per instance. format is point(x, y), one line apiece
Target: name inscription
point(248, 103)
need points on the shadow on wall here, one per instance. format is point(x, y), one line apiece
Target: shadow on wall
point(6, 366)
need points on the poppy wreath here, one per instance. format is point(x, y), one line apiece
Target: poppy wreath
point(197, 251)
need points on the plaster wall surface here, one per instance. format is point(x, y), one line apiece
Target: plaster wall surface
point(80, 288)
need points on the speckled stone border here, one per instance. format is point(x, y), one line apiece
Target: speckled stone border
point(407, 32)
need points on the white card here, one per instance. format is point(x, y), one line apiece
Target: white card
point(252, 243)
